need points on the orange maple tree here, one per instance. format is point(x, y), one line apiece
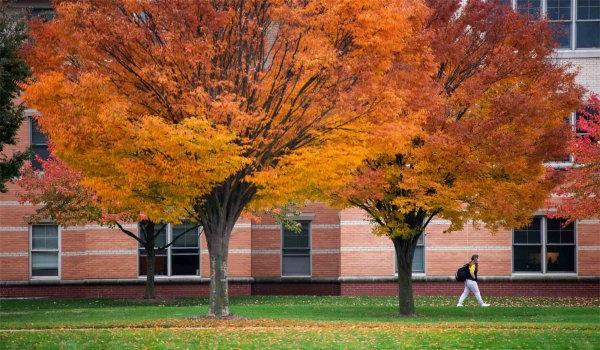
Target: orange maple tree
point(203, 109)
point(473, 150)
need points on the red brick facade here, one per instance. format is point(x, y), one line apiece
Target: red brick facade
point(345, 259)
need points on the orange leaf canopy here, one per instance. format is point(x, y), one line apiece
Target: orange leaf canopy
point(157, 102)
point(473, 148)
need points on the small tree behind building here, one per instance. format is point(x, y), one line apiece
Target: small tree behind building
point(13, 72)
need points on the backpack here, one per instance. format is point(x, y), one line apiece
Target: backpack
point(462, 273)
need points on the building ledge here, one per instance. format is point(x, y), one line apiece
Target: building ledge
point(158, 280)
point(581, 53)
point(294, 279)
point(512, 278)
point(343, 279)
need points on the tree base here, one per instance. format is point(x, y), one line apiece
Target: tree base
point(414, 314)
point(229, 317)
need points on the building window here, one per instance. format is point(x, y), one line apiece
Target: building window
point(295, 252)
point(418, 265)
point(548, 238)
point(182, 258)
point(185, 251)
point(527, 247)
point(532, 8)
point(576, 23)
point(419, 257)
point(44, 14)
point(44, 251)
point(558, 13)
point(588, 24)
point(560, 246)
point(39, 144)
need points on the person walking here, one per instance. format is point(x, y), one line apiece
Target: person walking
point(471, 283)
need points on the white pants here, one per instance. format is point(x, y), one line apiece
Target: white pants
point(471, 286)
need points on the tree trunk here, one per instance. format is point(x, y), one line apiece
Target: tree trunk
point(405, 249)
point(219, 287)
point(149, 291)
point(148, 231)
point(218, 213)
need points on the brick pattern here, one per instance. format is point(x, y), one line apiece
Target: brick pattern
point(308, 288)
point(201, 289)
point(14, 268)
point(588, 248)
point(589, 73)
point(362, 253)
point(588, 262)
point(170, 290)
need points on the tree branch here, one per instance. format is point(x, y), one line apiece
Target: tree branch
point(130, 234)
point(179, 236)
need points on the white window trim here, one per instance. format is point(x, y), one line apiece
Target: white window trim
point(169, 236)
point(59, 229)
point(310, 253)
point(572, 51)
point(544, 243)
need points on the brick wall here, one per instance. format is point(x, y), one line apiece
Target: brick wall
point(362, 253)
point(174, 290)
point(588, 248)
point(117, 290)
point(589, 72)
point(298, 288)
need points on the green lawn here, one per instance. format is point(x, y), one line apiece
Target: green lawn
point(301, 322)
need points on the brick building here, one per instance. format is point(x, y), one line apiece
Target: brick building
point(336, 253)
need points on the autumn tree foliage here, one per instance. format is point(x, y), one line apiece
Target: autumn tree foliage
point(473, 150)
point(58, 193)
point(203, 109)
point(579, 192)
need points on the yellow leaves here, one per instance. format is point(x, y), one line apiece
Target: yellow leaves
point(314, 172)
point(132, 162)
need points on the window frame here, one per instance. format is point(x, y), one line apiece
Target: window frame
point(574, 14)
point(58, 251)
point(168, 237)
point(173, 247)
point(573, 26)
point(514, 5)
point(571, 21)
point(423, 236)
point(31, 120)
point(543, 242)
point(574, 245)
point(540, 245)
point(310, 250)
